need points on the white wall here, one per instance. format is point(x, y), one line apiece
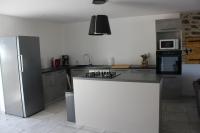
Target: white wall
point(49, 33)
point(130, 38)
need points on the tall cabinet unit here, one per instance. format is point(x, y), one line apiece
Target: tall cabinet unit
point(170, 29)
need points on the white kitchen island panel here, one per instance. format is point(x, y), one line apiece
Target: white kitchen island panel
point(124, 107)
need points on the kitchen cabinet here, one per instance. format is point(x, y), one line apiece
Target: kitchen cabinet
point(54, 85)
point(165, 25)
point(118, 105)
point(171, 87)
point(168, 29)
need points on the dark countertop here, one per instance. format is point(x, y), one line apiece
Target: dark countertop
point(47, 70)
point(110, 67)
point(131, 75)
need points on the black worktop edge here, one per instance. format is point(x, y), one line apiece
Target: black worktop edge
point(120, 80)
point(48, 70)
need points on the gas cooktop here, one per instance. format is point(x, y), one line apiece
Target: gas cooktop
point(103, 75)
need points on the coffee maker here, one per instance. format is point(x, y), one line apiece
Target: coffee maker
point(65, 60)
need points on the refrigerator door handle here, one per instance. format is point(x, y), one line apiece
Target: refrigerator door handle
point(21, 63)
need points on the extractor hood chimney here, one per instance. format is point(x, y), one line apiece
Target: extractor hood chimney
point(99, 25)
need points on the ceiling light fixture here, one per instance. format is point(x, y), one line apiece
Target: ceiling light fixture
point(99, 24)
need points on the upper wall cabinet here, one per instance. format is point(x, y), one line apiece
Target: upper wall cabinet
point(169, 29)
point(166, 25)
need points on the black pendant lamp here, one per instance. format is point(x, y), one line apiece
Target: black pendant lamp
point(99, 25)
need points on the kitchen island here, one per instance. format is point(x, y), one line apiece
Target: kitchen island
point(128, 103)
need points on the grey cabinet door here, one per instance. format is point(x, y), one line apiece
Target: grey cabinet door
point(166, 25)
point(49, 86)
point(55, 85)
point(61, 83)
point(171, 88)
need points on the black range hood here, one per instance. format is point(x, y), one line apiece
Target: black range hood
point(99, 1)
point(99, 25)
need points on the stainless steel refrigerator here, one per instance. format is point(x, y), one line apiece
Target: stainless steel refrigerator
point(21, 75)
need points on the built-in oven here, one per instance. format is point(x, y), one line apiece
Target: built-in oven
point(169, 62)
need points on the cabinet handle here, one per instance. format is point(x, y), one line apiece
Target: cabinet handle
point(21, 63)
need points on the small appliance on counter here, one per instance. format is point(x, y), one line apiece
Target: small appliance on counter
point(55, 63)
point(58, 62)
point(169, 62)
point(65, 60)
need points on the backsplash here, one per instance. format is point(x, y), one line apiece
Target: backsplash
point(190, 24)
point(190, 28)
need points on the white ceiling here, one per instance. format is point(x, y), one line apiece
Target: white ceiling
point(81, 10)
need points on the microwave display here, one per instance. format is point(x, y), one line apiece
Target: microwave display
point(169, 62)
point(167, 44)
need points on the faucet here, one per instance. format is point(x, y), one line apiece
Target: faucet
point(89, 57)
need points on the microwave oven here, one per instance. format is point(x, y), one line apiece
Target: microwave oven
point(169, 44)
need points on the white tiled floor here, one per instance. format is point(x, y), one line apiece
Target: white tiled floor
point(178, 116)
point(51, 120)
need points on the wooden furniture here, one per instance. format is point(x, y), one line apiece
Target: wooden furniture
point(193, 45)
point(121, 66)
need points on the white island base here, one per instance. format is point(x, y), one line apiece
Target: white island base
point(122, 107)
